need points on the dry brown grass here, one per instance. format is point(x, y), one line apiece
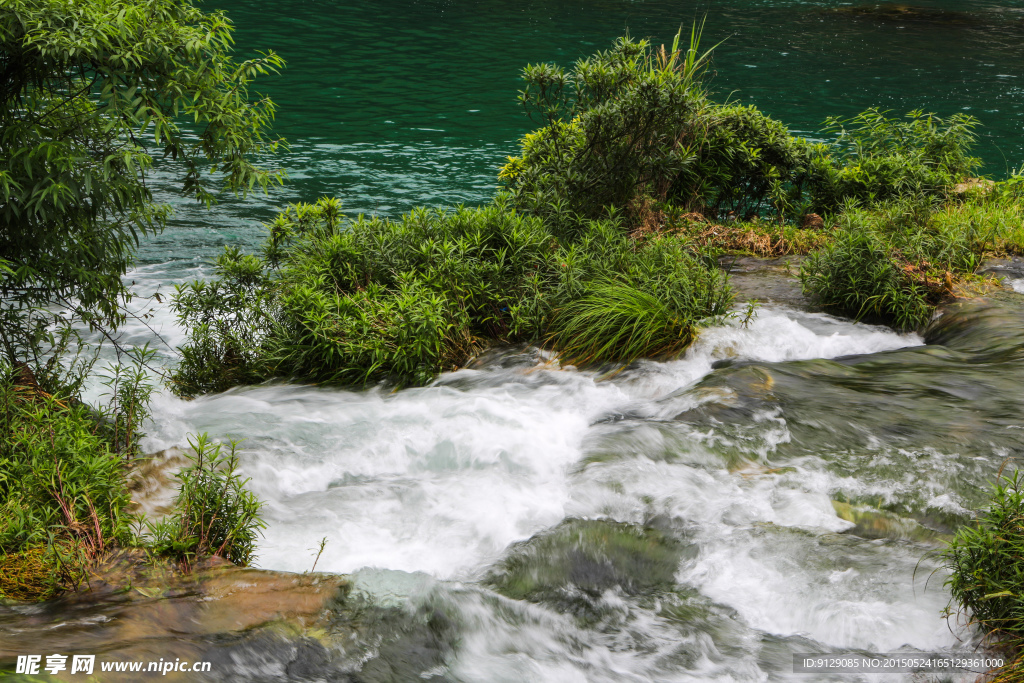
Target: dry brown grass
point(757, 237)
point(38, 573)
point(1011, 673)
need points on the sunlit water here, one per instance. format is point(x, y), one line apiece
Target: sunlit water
point(750, 452)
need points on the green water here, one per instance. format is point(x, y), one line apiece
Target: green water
point(390, 105)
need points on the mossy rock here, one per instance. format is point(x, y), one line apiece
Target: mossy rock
point(583, 559)
point(875, 523)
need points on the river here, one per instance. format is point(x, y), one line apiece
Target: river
point(780, 489)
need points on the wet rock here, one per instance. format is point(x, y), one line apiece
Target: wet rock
point(576, 562)
point(153, 484)
point(136, 611)
point(875, 523)
point(403, 628)
point(767, 280)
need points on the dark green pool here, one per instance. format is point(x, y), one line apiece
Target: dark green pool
point(392, 104)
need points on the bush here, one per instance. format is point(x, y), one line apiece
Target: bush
point(400, 301)
point(214, 513)
point(632, 126)
point(367, 300)
point(64, 495)
point(59, 476)
point(877, 158)
point(632, 129)
point(893, 263)
point(986, 573)
point(749, 164)
point(993, 216)
point(858, 274)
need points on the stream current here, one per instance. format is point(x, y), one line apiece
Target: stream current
point(782, 488)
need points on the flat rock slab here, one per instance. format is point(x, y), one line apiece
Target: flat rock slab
point(139, 612)
point(768, 280)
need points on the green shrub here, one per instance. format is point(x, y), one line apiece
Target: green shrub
point(367, 300)
point(992, 215)
point(129, 388)
point(749, 164)
point(352, 302)
point(877, 158)
point(893, 263)
point(985, 564)
point(633, 130)
point(858, 274)
point(214, 514)
point(60, 478)
point(63, 493)
point(633, 125)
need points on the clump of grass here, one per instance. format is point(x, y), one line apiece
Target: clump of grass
point(617, 321)
point(994, 218)
point(857, 273)
point(622, 301)
point(57, 471)
point(214, 514)
point(986, 569)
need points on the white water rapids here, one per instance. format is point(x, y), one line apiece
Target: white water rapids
point(419, 492)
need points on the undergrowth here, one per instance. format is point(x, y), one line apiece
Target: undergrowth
point(214, 514)
point(986, 581)
point(64, 496)
point(366, 300)
point(895, 261)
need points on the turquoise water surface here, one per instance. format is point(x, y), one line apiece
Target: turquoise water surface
point(394, 104)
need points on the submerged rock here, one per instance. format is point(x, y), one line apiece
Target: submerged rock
point(575, 563)
point(767, 280)
point(875, 523)
point(901, 13)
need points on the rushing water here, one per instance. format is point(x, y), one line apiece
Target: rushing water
point(790, 482)
point(782, 488)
